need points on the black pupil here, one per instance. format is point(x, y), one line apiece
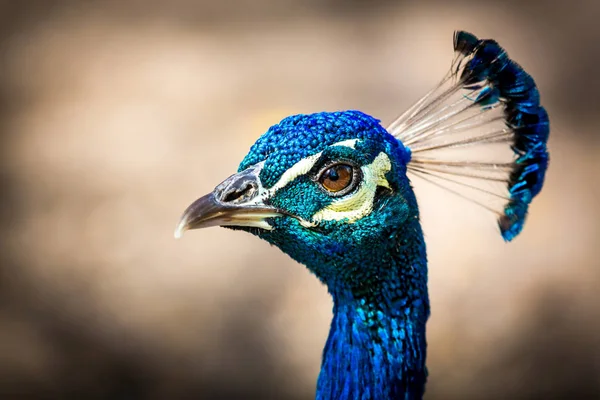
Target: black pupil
point(333, 173)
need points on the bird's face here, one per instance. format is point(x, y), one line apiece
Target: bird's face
point(329, 189)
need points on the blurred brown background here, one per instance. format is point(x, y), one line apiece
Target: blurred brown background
point(115, 115)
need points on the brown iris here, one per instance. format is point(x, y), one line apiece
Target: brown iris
point(337, 177)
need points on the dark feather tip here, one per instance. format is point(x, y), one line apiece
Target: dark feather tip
point(513, 81)
point(511, 223)
point(465, 42)
point(531, 128)
point(489, 59)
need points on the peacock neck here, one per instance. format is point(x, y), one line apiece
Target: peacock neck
point(376, 347)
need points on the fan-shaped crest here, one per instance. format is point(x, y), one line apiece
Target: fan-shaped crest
point(481, 132)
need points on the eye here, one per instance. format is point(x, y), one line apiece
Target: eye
point(339, 179)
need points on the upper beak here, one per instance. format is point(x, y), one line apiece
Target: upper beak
point(237, 201)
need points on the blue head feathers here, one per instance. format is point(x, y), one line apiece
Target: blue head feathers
point(332, 190)
point(300, 136)
point(330, 228)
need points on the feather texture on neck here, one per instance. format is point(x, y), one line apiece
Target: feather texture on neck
point(376, 346)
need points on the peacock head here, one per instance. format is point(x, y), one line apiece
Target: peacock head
point(331, 189)
point(328, 189)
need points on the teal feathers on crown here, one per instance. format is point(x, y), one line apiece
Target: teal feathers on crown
point(332, 190)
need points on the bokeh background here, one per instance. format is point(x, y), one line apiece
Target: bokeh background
point(114, 115)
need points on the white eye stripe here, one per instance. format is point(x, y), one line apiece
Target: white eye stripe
point(346, 143)
point(300, 168)
point(303, 166)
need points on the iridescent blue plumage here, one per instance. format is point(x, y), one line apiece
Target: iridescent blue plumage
point(332, 190)
point(374, 268)
point(524, 115)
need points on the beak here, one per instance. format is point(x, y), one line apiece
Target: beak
point(237, 201)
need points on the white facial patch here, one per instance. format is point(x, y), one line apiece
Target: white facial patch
point(300, 168)
point(360, 203)
point(351, 207)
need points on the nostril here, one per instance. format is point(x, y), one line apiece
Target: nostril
point(236, 195)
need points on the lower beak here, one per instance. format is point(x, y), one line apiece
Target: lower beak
point(208, 211)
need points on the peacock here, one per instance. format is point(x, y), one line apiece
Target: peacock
point(332, 190)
